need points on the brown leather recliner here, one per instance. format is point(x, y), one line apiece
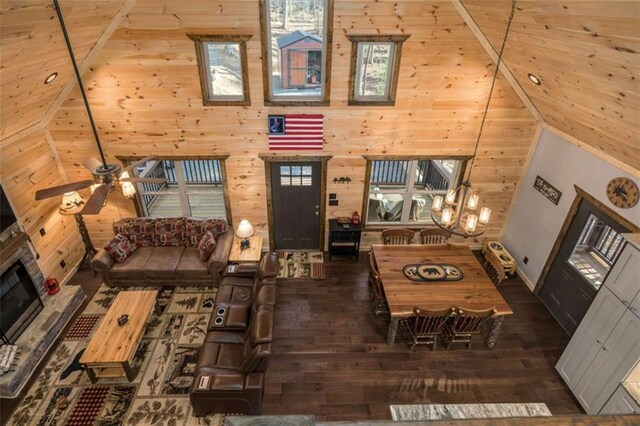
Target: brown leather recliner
point(229, 374)
point(239, 297)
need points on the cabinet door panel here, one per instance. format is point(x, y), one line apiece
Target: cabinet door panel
point(621, 403)
point(613, 362)
point(603, 315)
point(623, 280)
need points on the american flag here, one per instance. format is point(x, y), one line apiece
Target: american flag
point(301, 132)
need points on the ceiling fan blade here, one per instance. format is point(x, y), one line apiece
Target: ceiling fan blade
point(61, 189)
point(96, 201)
point(147, 180)
point(91, 164)
point(132, 166)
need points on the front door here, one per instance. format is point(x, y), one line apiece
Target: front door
point(591, 245)
point(295, 198)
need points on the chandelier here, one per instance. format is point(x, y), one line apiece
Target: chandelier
point(458, 212)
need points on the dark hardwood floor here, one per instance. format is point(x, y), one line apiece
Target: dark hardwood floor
point(331, 359)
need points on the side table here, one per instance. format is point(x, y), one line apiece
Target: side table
point(344, 240)
point(248, 255)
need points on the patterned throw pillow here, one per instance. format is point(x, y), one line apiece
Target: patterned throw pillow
point(169, 231)
point(195, 229)
point(206, 246)
point(140, 230)
point(120, 248)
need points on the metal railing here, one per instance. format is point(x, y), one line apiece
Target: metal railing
point(196, 172)
point(394, 172)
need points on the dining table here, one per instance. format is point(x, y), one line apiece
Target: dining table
point(473, 291)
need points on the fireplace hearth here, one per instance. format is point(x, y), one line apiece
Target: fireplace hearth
point(19, 302)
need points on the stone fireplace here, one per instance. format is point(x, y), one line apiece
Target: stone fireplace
point(31, 319)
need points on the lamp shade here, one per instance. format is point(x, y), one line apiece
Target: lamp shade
point(244, 230)
point(72, 203)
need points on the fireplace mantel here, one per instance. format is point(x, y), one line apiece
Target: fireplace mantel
point(8, 247)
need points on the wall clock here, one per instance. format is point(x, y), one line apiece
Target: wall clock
point(622, 192)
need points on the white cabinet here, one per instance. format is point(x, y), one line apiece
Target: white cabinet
point(624, 278)
point(621, 403)
point(612, 363)
point(603, 315)
point(606, 344)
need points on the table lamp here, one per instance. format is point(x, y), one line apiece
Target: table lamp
point(244, 230)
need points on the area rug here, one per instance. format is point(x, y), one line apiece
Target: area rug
point(301, 264)
point(165, 359)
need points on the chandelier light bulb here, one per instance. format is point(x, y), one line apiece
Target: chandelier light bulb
point(472, 221)
point(485, 214)
point(437, 203)
point(472, 202)
point(451, 196)
point(447, 215)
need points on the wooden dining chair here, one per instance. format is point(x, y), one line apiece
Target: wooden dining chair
point(425, 326)
point(375, 283)
point(494, 268)
point(465, 324)
point(434, 236)
point(397, 236)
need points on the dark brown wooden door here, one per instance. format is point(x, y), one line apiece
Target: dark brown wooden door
point(296, 204)
point(589, 248)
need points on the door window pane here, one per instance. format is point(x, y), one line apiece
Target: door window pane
point(596, 250)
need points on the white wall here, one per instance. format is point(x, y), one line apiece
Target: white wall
point(535, 221)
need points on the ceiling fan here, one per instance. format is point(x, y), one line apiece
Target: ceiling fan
point(106, 177)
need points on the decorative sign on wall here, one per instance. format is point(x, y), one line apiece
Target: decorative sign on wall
point(548, 190)
point(295, 132)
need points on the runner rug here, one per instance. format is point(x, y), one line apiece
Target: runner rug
point(165, 359)
point(301, 264)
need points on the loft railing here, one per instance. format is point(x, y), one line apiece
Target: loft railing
point(431, 175)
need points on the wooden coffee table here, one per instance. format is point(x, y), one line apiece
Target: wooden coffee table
point(112, 347)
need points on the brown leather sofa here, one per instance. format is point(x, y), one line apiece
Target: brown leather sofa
point(240, 297)
point(229, 373)
point(166, 253)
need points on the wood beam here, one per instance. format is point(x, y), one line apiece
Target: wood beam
point(506, 73)
point(88, 60)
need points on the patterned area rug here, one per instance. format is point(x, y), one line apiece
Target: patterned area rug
point(301, 264)
point(63, 395)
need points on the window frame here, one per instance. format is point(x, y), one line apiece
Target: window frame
point(269, 98)
point(203, 59)
point(182, 192)
point(458, 176)
point(356, 40)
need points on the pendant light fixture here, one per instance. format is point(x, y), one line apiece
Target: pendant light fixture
point(458, 212)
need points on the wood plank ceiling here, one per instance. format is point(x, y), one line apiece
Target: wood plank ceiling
point(32, 47)
point(587, 54)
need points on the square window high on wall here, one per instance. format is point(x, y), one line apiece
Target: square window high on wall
point(401, 192)
point(296, 47)
point(222, 66)
point(375, 65)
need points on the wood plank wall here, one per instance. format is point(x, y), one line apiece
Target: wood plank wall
point(145, 94)
point(27, 165)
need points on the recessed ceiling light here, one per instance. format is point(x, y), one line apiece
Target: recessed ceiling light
point(51, 77)
point(534, 79)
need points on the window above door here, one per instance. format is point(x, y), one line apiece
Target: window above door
point(375, 65)
point(222, 65)
point(296, 51)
